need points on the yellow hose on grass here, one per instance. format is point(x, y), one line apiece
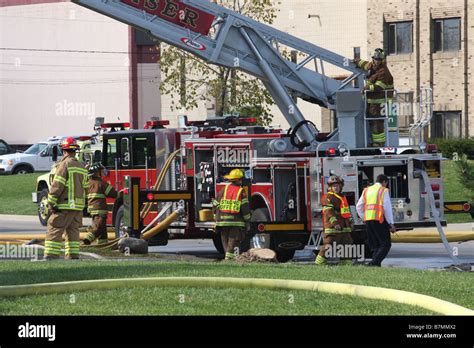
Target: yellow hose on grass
point(404, 297)
point(430, 237)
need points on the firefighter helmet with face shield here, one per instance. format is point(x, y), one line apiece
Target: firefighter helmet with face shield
point(69, 144)
point(334, 179)
point(379, 54)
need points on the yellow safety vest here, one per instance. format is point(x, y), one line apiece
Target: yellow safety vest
point(373, 197)
point(231, 202)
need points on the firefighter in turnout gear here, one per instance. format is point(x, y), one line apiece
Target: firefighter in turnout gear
point(337, 220)
point(66, 201)
point(379, 89)
point(375, 208)
point(232, 214)
point(99, 190)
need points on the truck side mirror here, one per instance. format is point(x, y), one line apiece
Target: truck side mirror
point(97, 156)
point(54, 156)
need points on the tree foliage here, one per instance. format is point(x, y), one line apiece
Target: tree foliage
point(465, 169)
point(190, 80)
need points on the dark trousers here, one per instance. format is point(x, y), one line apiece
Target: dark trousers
point(378, 235)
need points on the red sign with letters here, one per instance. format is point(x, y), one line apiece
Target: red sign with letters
point(176, 12)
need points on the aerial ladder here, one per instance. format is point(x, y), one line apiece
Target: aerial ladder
point(223, 37)
point(226, 38)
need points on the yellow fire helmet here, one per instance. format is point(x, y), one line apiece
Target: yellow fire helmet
point(235, 174)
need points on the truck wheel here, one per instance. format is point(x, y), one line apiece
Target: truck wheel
point(119, 223)
point(217, 240)
point(22, 170)
point(43, 211)
point(284, 255)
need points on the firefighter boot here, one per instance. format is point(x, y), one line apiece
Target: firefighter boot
point(321, 260)
point(229, 256)
point(89, 238)
point(72, 250)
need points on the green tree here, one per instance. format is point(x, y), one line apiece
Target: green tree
point(465, 169)
point(189, 79)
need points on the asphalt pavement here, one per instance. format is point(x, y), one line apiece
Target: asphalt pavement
point(405, 255)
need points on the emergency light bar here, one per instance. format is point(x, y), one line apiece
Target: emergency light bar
point(120, 125)
point(156, 124)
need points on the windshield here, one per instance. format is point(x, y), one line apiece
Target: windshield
point(36, 148)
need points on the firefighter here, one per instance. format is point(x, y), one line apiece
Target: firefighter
point(379, 87)
point(99, 190)
point(232, 214)
point(337, 220)
point(375, 208)
point(66, 202)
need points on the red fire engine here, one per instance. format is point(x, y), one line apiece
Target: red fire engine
point(286, 172)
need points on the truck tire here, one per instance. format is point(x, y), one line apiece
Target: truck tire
point(217, 240)
point(43, 211)
point(119, 223)
point(22, 170)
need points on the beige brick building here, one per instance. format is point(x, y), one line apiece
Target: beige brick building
point(430, 44)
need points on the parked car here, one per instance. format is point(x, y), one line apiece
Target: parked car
point(36, 158)
point(5, 148)
point(88, 148)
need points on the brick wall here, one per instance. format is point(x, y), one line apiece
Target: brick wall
point(444, 71)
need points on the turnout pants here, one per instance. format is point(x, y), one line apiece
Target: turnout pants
point(379, 239)
point(332, 241)
point(231, 237)
point(377, 128)
point(68, 222)
point(98, 229)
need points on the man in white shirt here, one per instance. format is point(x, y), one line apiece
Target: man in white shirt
point(375, 208)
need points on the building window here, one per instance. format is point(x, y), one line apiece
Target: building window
point(446, 125)
point(447, 34)
point(356, 52)
point(399, 37)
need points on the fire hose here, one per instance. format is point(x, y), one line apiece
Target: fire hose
point(370, 292)
point(159, 180)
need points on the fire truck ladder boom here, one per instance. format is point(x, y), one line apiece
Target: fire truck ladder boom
point(236, 41)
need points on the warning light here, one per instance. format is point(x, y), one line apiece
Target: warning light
point(113, 126)
point(261, 228)
point(156, 124)
point(435, 187)
point(126, 191)
point(466, 207)
point(331, 152)
point(150, 196)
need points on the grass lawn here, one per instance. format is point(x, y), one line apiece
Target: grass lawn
point(15, 194)
point(193, 301)
point(455, 191)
